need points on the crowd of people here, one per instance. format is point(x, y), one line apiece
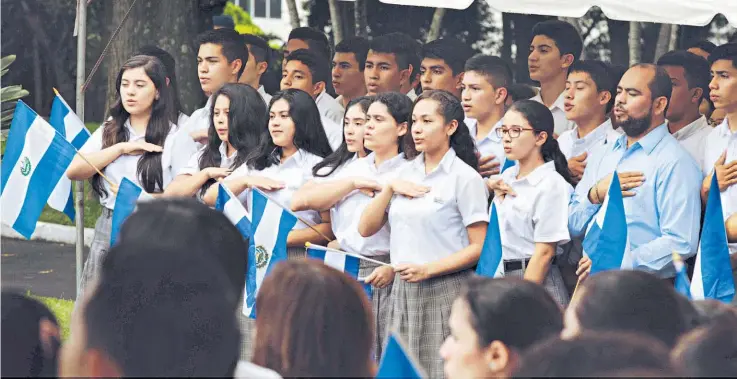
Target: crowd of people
point(403, 166)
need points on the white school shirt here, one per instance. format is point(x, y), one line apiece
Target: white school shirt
point(693, 138)
point(491, 144)
point(572, 145)
point(329, 107)
point(193, 166)
point(333, 131)
point(432, 227)
point(346, 214)
point(559, 114)
point(264, 95)
point(720, 139)
point(183, 142)
point(294, 172)
point(182, 119)
point(538, 214)
point(412, 95)
point(127, 165)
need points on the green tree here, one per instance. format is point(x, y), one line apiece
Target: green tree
point(243, 22)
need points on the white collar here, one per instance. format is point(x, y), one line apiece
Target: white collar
point(262, 91)
point(473, 128)
point(558, 103)
point(536, 175)
point(723, 129)
point(600, 132)
point(445, 164)
point(387, 165)
point(691, 129)
point(321, 97)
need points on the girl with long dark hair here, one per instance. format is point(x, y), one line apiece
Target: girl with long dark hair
point(437, 216)
point(349, 191)
point(532, 197)
point(237, 120)
point(135, 142)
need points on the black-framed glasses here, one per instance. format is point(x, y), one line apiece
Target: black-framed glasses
point(513, 131)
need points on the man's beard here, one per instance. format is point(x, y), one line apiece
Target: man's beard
point(635, 127)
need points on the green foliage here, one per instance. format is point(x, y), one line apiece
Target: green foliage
point(9, 95)
point(243, 22)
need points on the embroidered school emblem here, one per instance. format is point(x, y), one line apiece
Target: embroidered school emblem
point(262, 256)
point(25, 166)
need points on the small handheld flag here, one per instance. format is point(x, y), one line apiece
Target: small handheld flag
point(508, 163)
point(342, 262)
point(396, 362)
point(712, 276)
point(682, 284)
point(232, 208)
point(36, 158)
point(491, 263)
point(129, 194)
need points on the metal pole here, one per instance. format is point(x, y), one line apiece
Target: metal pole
point(79, 185)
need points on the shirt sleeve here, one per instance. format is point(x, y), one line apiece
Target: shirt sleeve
point(94, 143)
point(472, 200)
point(580, 209)
point(183, 148)
point(550, 213)
point(193, 165)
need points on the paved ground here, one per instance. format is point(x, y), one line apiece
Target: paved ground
point(45, 269)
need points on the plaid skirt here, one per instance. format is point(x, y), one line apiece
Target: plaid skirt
point(380, 303)
point(98, 250)
point(420, 313)
point(553, 283)
point(247, 324)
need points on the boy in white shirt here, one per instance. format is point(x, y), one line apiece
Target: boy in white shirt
point(442, 65)
point(258, 63)
point(349, 63)
point(392, 64)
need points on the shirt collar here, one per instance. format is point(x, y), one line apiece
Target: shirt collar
point(388, 165)
point(691, 129)
point(599, 132)
point(223, 151)
point(473, 128)
point(558, 103)
point(537, 174)
point(296, 159)
point(445, 164)
point(321, 97)
point(723, 128)
point(648, 142)
point(261, 90)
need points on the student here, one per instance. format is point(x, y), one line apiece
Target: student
point(259, 54)
point(307, 38)
point(626, 301)
point(689, 74)
point(222, 58)
point(518, 91)
point(484, 87)
point(659, 179)
point(720, 152)
point(177, 116)
point(438, 221)
point(313, 321)
point(237, 126)
point(134, 143)
point(589, 96)
point(702, 48)
point(708, 351)
point(532, 198)
point(283, 163)
point(493, 322)
point(555, 46)
point(412, 87)
point(306, 71)
point(349, 188)
point(442, 65)
point(349, 63)
point(391, 64)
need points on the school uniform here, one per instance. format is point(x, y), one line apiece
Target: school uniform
point(193, 165)
point(412, 94)
point(693, 138)
point(329, 107)
point(334, 132)
point(424, 230)
point(719, 140)
point(559, 114)
point(537, 214)
point(264, 95)
point(572, 145)
point(125, 166)
point(183, 142)
point(491, 144)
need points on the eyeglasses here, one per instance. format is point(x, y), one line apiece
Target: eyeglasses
point(513, 132)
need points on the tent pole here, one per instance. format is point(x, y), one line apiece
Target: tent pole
point(79, 185)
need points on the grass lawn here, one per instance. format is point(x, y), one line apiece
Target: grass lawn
point(62, 309)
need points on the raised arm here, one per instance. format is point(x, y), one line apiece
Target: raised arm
point(323, 196)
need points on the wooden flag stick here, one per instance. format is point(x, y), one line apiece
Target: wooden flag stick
point(323, 248)
point(96, 169)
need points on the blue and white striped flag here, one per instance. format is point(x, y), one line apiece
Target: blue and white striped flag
point(681, 283)
point(712, 275)
point(606, 242)
point(270, 226)
point(126, 201)
point(508, 163)
point(36, 158)
point(397, 362)
point(345, 263)
point(490, 262)
point(234, 210)
point(66, 122)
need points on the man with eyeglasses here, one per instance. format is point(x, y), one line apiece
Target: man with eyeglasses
point(659, 180)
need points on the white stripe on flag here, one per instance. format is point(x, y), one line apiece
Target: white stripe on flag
point(697, 281)
point(335, 260)
point(265, 235)
point(60, 196)
point(234, 211)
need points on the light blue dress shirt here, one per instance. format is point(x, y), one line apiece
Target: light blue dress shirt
point(664, 214)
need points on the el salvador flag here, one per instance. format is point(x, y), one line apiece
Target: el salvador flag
point(508, 163)
point(396, 362)
point(129, 194)
point(681, 283)
point(36, 158)
point(342, 262)
point(712, 276)
point(233, 210)
point(491, 263)
point(606, 242)
point(66, 122)
point(270, 226)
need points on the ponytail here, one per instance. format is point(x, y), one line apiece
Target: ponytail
point(551, 152)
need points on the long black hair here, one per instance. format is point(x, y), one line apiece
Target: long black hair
point(171, 73)
point(247, 119)
point(342, 155)
point(309, 134)
point(541, 119)
point(149, 171)
point(461, 140)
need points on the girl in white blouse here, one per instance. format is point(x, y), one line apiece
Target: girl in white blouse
point(237, 120)
point(532, 197)
point(347, 192)
point(437, 215)
point(135, 142)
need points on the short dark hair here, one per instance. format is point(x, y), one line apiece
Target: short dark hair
point(452, 51)
point(319, 67)
point(601, 76)
point(696, 68)
point(593, 353)
point(223, 21)
point(566, 36)
point(705, 45)
point(728, 51)
point(495, 69)
point(406, 50)
point(359, 46)
point(156, 315)
point(23, 352)
point(709, 350)
point(259, 48)
point(520, 91)
point(315, 39)
point(230, 42)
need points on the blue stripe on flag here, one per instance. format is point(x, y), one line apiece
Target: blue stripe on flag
point(56, 117)
point(396, 361)
point(607, 247)
point(125, 204)
point(80, 139)
point(490, 261)
point(69, 207)
point(508, 163)
point(243, 224)
point(22, 120)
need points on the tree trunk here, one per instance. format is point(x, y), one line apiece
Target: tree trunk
point(361, 18)
point(634, 42)
point(169, 24)
point(37, 77)
point(293, 15)
point(336, 21)
point(673, 38)
point(663, 43)
point(437, 23)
